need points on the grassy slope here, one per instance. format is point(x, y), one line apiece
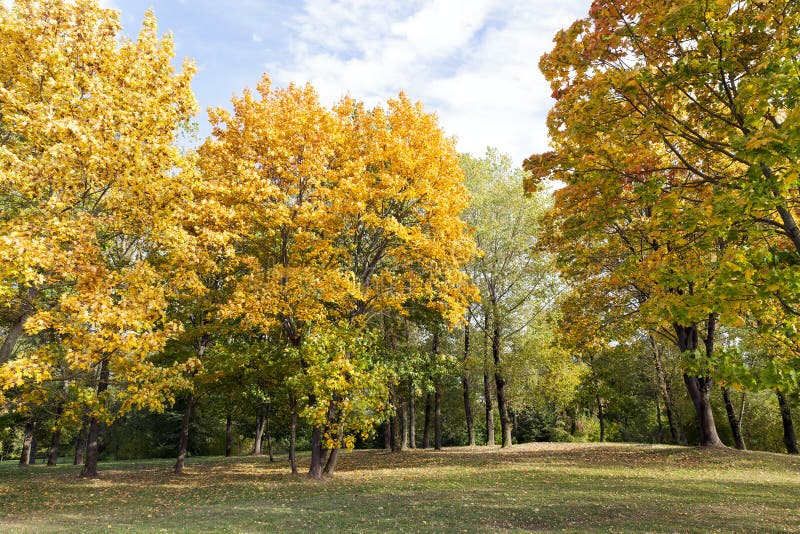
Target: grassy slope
point(531, 487)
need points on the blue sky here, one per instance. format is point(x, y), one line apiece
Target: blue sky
point(471, 62)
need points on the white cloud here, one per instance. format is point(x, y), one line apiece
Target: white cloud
point(473, 62)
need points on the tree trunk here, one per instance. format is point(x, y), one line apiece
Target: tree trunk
point(183, 443)
point(34, 448)
point(468, 411)
point(487, 395)
point(789, 437)
point(601, 418)
point(17, 327)
point(315, 470)
point(27, 441)
point(269, 436)
point(500, 383)
point(403, 425)
point(465, 385)
point(387, 434)
point(658, 420)
point(55, 439)
point(93, 441)
point(293, 442)
point(736, 423)
point(412, 420)
point(80, 445)
point(228, 436)
point(700, 388)
point(259, 434)
point(426, 430)
point(665, 384)
point(437, 419)
point(330, 465)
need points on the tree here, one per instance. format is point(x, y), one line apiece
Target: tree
point(516, 282)
point(339, 215)
point(91, 190)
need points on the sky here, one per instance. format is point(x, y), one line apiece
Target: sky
point(472, 62)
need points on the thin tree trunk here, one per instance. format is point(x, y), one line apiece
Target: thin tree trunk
point(269, 436)
point(80, 445)
point(601, 417)
point(394, 423)
point(183, 443)
point(412, 420)
point(502, 403)
point(789, 436)
point(228, 436)
point(34, 448)
point(426, 430)
point(658, 420)
point(465, 385)
point(665, 384)
point(468, 411)
point(293, 433)
point(437, 419)
point(92, 444)
point(700, 388)
point(27, 440)
point(487, 395)
point(736, 424)
point(403, 425)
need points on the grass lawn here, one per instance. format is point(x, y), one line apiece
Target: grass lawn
point(543, 486)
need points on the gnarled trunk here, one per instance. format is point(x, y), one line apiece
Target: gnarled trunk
point(183, 442)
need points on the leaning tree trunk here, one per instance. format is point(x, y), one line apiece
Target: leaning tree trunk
point(330, 465)
point(183, 443)
point(437, 419)
point(17, 326)
point(27, 441)
point(228, 436)
point(426, 429)
point(735, 422)
point(789, 436)
point(80, 445)
point(502, 402)
point(92, 443)
point(412, 420)
point(700, 388)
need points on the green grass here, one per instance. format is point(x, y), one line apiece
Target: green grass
point(549, 487)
